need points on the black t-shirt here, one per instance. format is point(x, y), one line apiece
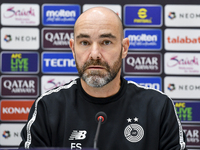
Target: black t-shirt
point(137, 118)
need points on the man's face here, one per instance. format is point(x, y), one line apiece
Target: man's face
point(97, 49)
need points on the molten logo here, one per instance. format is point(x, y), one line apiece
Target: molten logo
point(14, 110)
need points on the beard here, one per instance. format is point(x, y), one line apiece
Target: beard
point(98, 78)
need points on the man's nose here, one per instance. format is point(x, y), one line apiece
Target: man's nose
point(95, 51)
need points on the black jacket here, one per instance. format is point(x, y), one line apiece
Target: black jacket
point(137, 119)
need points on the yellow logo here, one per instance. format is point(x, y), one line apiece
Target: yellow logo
point(142, 14)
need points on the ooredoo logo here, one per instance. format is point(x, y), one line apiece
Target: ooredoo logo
point(19, 86)
point(182, 87)
point(182, 39)
point(143, 15)
point(55, 14)
point(142, 63)
point(182, 63)
point(20, 38)
point(20, 14)
point(21, 62)
point(57, 38)
point(182, 15)
point(15, 110)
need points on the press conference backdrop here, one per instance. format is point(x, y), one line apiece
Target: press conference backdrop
point(35, 57)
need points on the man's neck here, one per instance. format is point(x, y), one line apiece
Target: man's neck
point(106, 91)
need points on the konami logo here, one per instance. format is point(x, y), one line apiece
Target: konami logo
point(182, 39)
point(15, 110)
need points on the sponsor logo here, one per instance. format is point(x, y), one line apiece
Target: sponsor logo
point(10, 134)
point(182, 87)
point(57, 39)
point(172, 15)
point(133, 132)
point(182, 39)
point(6, 134)
point(24, 62)
point(148, 82)
point(60, 14)
point(142, 63)
point(78, 135)
point(182, 63)
point(182, 15)
point(143, 15)
point(20, 38)
point(51, 82)
point(193, 135)
point(58, 63)
point(15, 110)
point(144, 39)
point(19, 86)
point(115, 8)
point(188, 111)
point(20, 14)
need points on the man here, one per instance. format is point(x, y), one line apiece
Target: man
point(137, 118)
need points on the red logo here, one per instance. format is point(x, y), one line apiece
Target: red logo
point(15, 110)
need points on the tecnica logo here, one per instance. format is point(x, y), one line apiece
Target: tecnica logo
point(182, 63)
point(143, 15)
point(144, 39)
point(20, 14)
point(51, 82)
point(182, 39)
point(182, 87)
point(21, 62)
point(60, 14)
point(20, 38)
point(148, 82)
point(58, 63)
point(182, 15)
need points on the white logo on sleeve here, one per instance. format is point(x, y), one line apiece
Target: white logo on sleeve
point(78, 135)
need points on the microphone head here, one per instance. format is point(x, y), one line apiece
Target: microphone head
point(101, 115)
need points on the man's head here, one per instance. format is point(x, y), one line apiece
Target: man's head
point(98, 46)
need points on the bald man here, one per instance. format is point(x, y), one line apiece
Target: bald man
point(137, 117)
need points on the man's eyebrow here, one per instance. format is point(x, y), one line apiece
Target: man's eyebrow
point(82, 36)
point(109, 35)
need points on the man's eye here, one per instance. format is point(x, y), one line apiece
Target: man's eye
point(107, 42)
point(84, 43)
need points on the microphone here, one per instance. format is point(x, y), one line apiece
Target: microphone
point(100, 118)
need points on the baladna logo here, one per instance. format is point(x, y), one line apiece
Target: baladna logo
point(60, 14)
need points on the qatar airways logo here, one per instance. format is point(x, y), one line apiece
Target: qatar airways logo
point(20, 14)
point(182, 63)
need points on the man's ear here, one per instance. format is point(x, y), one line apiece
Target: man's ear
point(71, 45)
point(125, 46)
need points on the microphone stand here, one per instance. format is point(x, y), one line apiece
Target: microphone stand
point(97, 132)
